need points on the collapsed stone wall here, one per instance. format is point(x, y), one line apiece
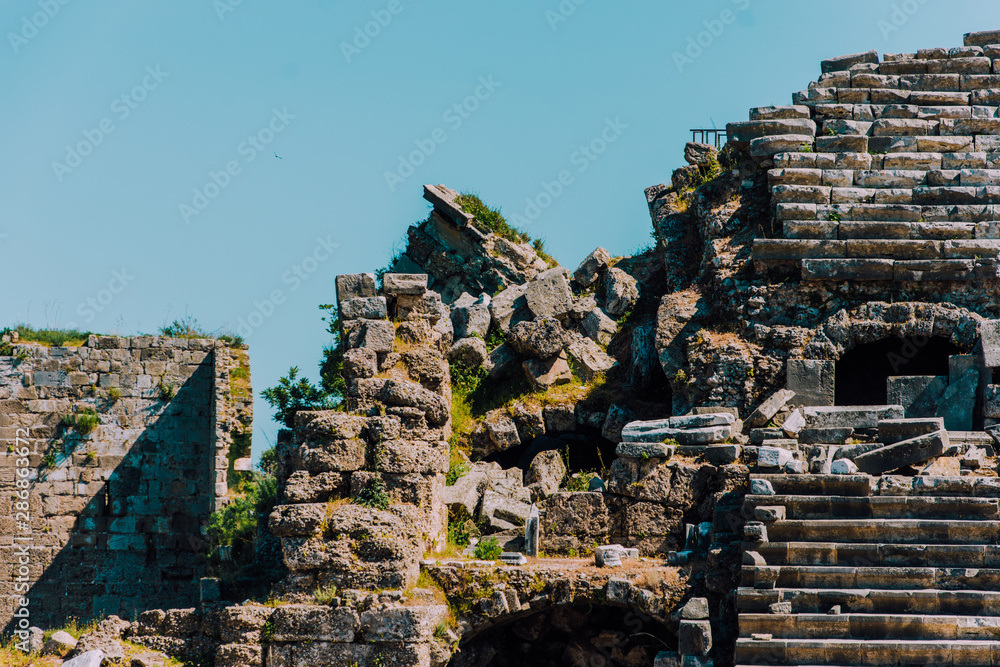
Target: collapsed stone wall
point(125, 447)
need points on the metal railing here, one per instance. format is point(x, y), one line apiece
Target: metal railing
point(709, 136)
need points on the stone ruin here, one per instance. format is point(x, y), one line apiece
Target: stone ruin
point(791, 403)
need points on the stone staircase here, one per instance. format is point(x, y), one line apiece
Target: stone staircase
point(887, 170)
point(850, 572)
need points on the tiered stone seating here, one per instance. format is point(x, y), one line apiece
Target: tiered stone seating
point(852, 573)
point(887, 170)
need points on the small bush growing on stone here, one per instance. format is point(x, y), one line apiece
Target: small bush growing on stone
point(325, 595)
point(114, 394)
point(374, 495)
point(49, 460)
point(87, 421)
point(488, 549)
point(167, 390)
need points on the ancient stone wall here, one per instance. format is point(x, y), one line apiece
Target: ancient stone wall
point(114, 454)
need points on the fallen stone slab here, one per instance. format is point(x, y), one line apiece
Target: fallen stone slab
point(825, 436)
point(891, 431)
point(860, 416)
point(844, 63)
point(907, 452)
point(443, 198)
point(645, 450)
point(773, 457)
point(794, 424)
point(88, 659)
point(770, 407)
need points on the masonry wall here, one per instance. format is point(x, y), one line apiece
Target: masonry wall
point(115, 515)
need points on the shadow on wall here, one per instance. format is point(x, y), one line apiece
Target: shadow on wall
point(137, 544)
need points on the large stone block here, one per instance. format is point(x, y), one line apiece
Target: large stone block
point(592, 267)
point(858, 416)
point(546, 373)
point(356, 286)
point(907, 452)
point(549, 294)
point(891, 431)
point(375, 335)
point(402, 624)
point(918, 394)
point(989, 336)
point(812, 380)
point(959, 401)
point(844, 63)
point(410, 284)
point(770, 407)
point(368, 308)
point(310, 623)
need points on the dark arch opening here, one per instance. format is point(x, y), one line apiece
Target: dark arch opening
point(577, 634)
point(584, 452)
point(862, 372)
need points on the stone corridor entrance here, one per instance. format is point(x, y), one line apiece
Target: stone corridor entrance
point(862, 373)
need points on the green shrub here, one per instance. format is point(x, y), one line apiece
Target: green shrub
point(490, 219)
point(114, 394)
point(87, 421)
point(186, 327)
point(49, 337)
point(374, 495)
point(49, 460)
point(325, 595)
point(488, 549)
point(167, 390)
point(580, 481)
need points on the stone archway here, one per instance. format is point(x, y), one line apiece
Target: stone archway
point(875, 321)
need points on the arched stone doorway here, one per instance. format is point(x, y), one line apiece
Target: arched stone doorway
point(579, 634)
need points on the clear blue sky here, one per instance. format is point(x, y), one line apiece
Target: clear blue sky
point(163, 95)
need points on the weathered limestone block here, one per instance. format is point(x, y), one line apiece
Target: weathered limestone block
point(407, 456)
point(644, 450)
point(376, 335)
point(958, 402)
point(769, 146)
point(301, 487)
point(470, 352)
point(907, 452)
point(843, 63)
point(592, 267)
point(653, 528)
point(502, 430)
point(402, 624)
point(572, 520)
point(747, 131)
point(239, 655)
point(591, 361)
point(699, 154)
point(545, 373)
point(361, 548)
point(619, 292)
point(891, 431)
point(368, 308)
point(779, 112)
point(599, 327)
point(769, 408)
point(297, 520)
point(867, 416)
point(242, 624)
point(663, 429)
point(308, 623)
point(541, 339)
point(466, 492)
point(501, 512)
point(549, 294)
point(356, 286)
point(411, 394)
point(471, 317)
point(510, 307)
point(409, 284)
